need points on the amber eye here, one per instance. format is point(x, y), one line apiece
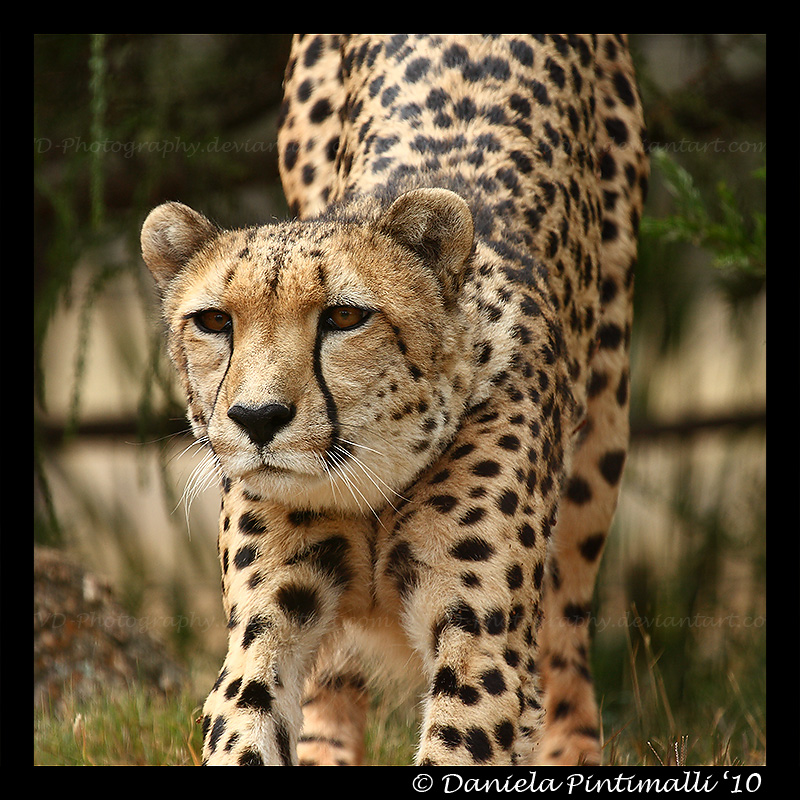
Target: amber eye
point(213, 321)
point(342, 318)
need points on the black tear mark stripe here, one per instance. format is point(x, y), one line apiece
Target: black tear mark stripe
point(330, 404)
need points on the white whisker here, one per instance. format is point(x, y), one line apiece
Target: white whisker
point(372, 477)
point(362, 446)
point(205, 474)
point(331, 476)
point(343, 467)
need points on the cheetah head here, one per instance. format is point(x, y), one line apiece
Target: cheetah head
point(323, 360)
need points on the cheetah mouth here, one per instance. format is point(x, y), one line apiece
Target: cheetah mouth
point(270, 468)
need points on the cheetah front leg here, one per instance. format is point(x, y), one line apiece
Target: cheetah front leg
point(467, 561)
point(283, 581)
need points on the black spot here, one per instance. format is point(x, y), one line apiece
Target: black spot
point(562, 709)
point(450, 736)
point(439, 477)
point(622, 390)
point(332, 148)
point(465, 109)
point(527, 535)
point(504, 734)
point(556, 73)
point(576, 614)
point(514, 576)
point(436, 100)
point(623, 89)
point(611, 465)
point(478, 744)
point(257, 696)
point(445, 682)
point(245, 556)
point(493, 682)
point(472, 548)
point(402, 567)
point(320, 111)
point(610, 231)
point(232, 689)
point(597, 382)
point(522, 162)
point(468, 695)
point(495, 622)
point(455, 56)
point(298, 602)
point(539, 91)
point(508, 503)
point(284, 742)
point(417, 69)
point(250, 758)
point(442, 502)
point(463, 450)
point(254, 628)
point(522, 51)
point(290, 155)
point(578, 491)
point(538, 576)
point(509, 442)
point(313, 51)
point(217, 730)
point(617, 130)
point(303, 517)
point(516, 617)
point(328, 557)
point(472, 516)
point(250, 523)
point(463, 616)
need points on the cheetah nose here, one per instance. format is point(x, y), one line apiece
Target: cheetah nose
point(261, 422)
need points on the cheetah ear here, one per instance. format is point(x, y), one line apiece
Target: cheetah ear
point(171, 235)
point(436, 224)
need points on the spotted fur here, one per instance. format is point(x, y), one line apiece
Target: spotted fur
point(416, 392)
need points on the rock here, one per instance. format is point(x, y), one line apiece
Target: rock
point(84, 642)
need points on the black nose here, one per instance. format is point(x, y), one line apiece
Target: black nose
point(261, 422)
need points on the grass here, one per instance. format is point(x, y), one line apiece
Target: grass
point(142, 728)
point(136, 728)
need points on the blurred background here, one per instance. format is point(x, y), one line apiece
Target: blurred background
point(123, 122)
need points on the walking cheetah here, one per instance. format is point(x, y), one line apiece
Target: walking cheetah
point(416, 392)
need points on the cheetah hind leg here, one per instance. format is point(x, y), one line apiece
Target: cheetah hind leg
point(335, 705)
point(572, 734)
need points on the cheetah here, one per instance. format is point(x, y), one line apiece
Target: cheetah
point(414, 393)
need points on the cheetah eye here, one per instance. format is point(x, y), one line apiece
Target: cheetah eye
point(213, 321)
point(343, 318)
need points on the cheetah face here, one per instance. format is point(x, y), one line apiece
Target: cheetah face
point(323, 361)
